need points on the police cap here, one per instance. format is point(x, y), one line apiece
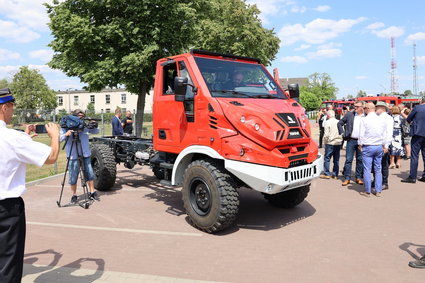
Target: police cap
point(6, 96)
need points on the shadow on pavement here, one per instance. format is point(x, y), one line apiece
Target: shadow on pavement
point(256, 213)
point(32, 258)
point(68, 273)
point(420, 249)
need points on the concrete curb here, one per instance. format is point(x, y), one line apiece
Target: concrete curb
point(40, 181)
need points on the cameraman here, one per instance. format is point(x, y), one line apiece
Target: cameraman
point(16, 150)
point(74, 169)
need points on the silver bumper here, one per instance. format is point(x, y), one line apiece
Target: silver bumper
point(272, 180)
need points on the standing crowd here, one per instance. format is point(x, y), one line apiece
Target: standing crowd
point(378, 136)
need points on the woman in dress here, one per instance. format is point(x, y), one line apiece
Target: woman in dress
point(396, 147)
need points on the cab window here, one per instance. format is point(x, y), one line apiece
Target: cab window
point(169, 73)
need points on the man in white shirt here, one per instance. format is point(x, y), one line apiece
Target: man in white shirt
point(332, 140)
point(16, 150)
point(381, 111)
point(371, 142)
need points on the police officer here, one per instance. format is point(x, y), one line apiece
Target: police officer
point(16, 150)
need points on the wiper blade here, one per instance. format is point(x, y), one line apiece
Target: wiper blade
point(231, 91)
point(265, 96)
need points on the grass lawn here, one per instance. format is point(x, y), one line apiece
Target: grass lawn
point(35, 173)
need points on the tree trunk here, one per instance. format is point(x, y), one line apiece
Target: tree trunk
point(140, 108)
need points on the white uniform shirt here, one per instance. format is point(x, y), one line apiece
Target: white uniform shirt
point(373, 130)
point(16, 150)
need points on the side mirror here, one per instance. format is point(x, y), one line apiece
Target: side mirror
point(294, 91)
point(180, 85)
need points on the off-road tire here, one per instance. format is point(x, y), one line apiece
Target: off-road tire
point(288, 199)
point(104, 166)
point(223, 198)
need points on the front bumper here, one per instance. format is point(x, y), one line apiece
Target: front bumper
point(273, 180)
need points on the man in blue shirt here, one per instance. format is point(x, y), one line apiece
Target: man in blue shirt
point(73, 157)
point(417, 131)
point(117, 129)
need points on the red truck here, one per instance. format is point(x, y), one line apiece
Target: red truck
point(220, 122)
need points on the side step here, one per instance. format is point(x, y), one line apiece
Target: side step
point(166, 165)
point(166, 183)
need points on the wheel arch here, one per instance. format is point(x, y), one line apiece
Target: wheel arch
point(188, 155)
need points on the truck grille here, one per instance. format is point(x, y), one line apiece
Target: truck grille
point(298, 174)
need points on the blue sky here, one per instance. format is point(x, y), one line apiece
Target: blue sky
point(347, 39)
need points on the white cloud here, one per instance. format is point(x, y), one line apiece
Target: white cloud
point(44, 55)
point(391, 31)
point(376, 25)
point(360, 77)
point(329, 45)
point(6, 55)
point(297, 9)
point(271, 8)
point(317, 31)
point(294, 59)
point(302, 47)
point(415, 37)
point(26, 13)
point(15, 33)
point(325, 53)
point(420, 60)
point(322, 8)
point(7, 71)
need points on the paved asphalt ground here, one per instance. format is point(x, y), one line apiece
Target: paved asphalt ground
point(139, 232)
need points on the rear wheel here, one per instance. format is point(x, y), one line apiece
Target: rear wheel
point(104, 166)
point(288, 199)
point(209, 196)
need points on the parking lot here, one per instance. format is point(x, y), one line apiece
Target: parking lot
point(139, 232)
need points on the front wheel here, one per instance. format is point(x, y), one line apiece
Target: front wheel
point(209, 196)
point(288, 199)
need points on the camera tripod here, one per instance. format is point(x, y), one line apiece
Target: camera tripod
point(80, 157)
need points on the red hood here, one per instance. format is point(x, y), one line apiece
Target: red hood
point(274, 130)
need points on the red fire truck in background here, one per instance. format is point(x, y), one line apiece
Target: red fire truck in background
point(338, 105)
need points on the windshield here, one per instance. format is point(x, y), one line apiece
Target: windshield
point(235, 79)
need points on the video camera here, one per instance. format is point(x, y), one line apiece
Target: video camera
point(71, 122)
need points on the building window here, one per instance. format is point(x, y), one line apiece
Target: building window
point(92, 99)
point(108, 110)
point(75, 99)
point(107, 98)
point(123, 111)
point(123, 98)
point(60, 100)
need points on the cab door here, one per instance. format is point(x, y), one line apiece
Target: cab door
point(168, 114)
point(174, 120)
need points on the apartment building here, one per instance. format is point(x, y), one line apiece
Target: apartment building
point(106, 100)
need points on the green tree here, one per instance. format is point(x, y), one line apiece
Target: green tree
point(361, 93)
point(117, 42)
point(234, 27)
point(408, 92)
point(308, 99)
point(322, 86)
point(4, 83)
point(90, 109)
point(31, 90)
